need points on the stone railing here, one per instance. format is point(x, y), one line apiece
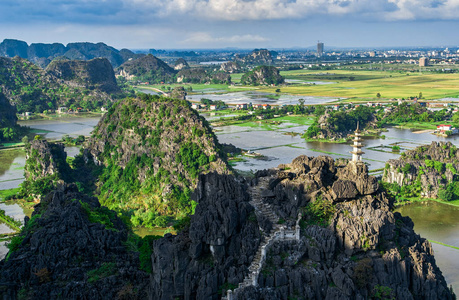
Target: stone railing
point(280, 234)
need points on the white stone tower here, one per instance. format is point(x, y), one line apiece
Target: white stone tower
point(356, 146)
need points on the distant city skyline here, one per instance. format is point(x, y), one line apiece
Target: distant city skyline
point(192, 24)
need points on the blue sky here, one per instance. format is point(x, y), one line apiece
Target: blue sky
point(165, 24)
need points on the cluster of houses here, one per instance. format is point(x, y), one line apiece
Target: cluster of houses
point(444, 129)
point(388, 107)
point(243, 106)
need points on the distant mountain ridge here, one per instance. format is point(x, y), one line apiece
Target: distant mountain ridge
point(42, 54)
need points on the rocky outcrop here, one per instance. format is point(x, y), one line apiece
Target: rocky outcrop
point(230, 67)
point(46, 168)
point(221, 78)
point(338, 125)
point(178, 93)
point(32, 89)
point(8, 118)
point(93, 74)
point(12, 48)
point(158, 146)
point(216, 250)
point(431, 168)
point(200, 75)
point(146, 68)
point(196, 75)
point(180, 64)
point(72, 248)
point(361, 250)
point(258, 57)
point(347, 242)
point(44, 159)
point(42, 54)
point(262, 75)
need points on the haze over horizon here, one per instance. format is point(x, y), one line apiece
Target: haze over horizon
point(188, 24)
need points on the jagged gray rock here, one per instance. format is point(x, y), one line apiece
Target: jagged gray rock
point(62, 248)
point(216, 250)
point(431, 167)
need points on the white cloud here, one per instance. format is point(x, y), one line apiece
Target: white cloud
point(237, 10)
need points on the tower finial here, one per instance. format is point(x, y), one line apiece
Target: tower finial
point(357, 126)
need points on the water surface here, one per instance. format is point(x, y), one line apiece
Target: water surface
point(438, 222)
point(55, 129)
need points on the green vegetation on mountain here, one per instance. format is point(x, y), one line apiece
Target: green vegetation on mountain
point(200, 75)
point(412, 112)
point(153, 150)
point(9, 129)
point(429, 171)
point(88, 85)
point(262, 75)
point(146, 69)
point(338, 124)
point(46, 167)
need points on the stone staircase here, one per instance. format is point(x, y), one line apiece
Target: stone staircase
point(278, 232)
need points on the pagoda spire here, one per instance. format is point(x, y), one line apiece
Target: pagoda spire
point(356, 146)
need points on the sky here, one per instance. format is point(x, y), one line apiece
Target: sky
point(199, 24)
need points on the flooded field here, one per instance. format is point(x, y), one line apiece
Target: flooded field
point(438, 222)
point(56, 128)
point(260, 98)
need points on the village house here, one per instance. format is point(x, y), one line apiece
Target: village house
point(62, 110)
point(241, 106)
point(442, 129)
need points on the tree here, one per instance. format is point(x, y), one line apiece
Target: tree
point(420, 95)
point(378, 95)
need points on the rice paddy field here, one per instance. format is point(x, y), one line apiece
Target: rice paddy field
point(366, 84)
point(348, 84)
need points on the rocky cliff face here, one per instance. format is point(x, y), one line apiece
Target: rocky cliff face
point(180, 64)
point(93, 74)
point(12, 48)
point(230, 67)
point(158, 146)
point(430, 168)
point(345, 241)
point(308, 230)
point(46, 168)
point(178, 93)
point(7, 113)
point(72, 248)
point(336, 125)
point(9, 129)
point(32, 89)
point(42, 54)
point(197, 75)
point(262, 75)
point(257, 56)
point(146, 68)
point(213, 254)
